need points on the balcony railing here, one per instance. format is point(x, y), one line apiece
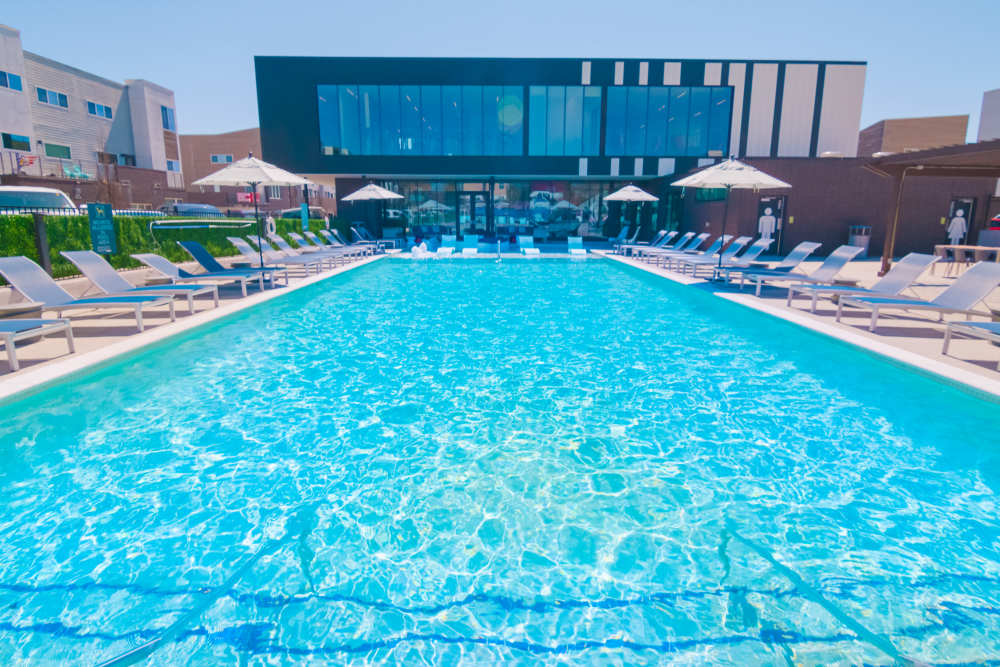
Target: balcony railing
point(26, 164)
point(175, 180)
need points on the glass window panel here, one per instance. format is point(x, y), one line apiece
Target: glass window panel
point(677, 120)
point(329, 119)
point(430, 119)
point(614, 139)
point(43, 95)
point(719, 118)
point(472, 120)
point(591, 120)
point(635, 130)
point(410, 119)
point(389, 119)
point(537, 115)
point(701, 98)
point(492, 138)
point(656, 123)
point(91, 108)
point(574, 120)
point(369, 120)
point(451, 119)
point(14, 81)
point(350, 137)
point(512, 120)
point(555, 128)
point(62, 101)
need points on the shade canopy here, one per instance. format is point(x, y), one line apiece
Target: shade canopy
point(731, 175)
point(630, 193)
point(434, 205)
point(252, 171)
point(371, 192)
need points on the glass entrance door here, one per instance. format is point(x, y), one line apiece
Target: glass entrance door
point(472, 213)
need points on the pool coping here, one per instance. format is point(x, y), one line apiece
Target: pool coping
point(978, 385)
point(30, 380)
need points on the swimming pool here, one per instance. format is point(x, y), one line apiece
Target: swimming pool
point(476, 462)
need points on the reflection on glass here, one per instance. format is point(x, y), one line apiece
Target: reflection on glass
point(677, 121)
point(430, 119)
point(554, 122)
point(656, 131)
point(451, 119)
point(472, 120)
point(389, 103)
point(329, 121)
point(635, 129)
point(698, 124)
point(614, 138)
point(591, 120)
point(511, 116)
point(349, 135)
point(410, 130)
point(719, 120)
point(537, 114)
point(492, 105)
point(369, 108)
point(574, 121)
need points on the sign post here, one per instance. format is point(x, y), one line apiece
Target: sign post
point(305, 216)
point(102, 229)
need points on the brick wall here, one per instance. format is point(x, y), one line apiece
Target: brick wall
point(899, 134)
point(128, 187)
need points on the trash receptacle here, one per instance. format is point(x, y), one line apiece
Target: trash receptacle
point(860, 235)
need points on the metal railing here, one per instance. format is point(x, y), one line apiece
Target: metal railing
point(26, 164)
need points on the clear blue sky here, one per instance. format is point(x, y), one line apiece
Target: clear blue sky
point(924, 57)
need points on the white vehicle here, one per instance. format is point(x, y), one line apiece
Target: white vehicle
point(16, 199)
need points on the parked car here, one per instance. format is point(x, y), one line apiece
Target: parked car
point(186, 209)
point(296, 213)
point(24, 198)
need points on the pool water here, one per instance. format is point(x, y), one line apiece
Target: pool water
point(527, 462)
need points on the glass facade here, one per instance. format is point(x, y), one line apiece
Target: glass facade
point(673, 121)
point(421, 120)
point(564, 121)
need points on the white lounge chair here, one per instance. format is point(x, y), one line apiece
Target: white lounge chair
point(271, 255)
point(658, 240)
point(470, 244)
point(986, 330)
point(900, 277)
point(31, 281)
point(527, 245)
point(825, 273)
point(200, 254)
point(713, 260)
point(960, 297)
point(14, 330)
point(105, 278)
point(672, 260)
point(176, 274)
point(574, 244)
point(640, 251)
point(332, 258)
point(790, 262)
point(660, 255)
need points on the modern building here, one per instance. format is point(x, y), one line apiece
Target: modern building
point(989, 116)
point(898, 135)
point(204, 154)
point(503, 146)
point(59, 122)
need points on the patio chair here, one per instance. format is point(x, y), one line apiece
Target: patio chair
point(640, 251)
point(900, 277)
point(986, 330)
point(106, 279)
point(271, 255)
point(445, 251)
point(334, 240)
point(168, 269)
point(661, 255)
point(527, 245)
point(960, 297)
point(711, 251)
point(470, 244)
point(659, 239)
point(205, 259)
point(33, 283)
point(12, 331)
point(333, 257)
point(825, 273)
point(574, 244)
point(616, 241)
point(313, 244)
point(791, 261)
point(727, 258)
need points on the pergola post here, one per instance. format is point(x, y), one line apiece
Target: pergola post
point(889, 244)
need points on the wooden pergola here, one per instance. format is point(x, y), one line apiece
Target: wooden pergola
point(980, 160)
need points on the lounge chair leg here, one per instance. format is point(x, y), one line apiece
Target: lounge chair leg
point(8, 342)
point(947, 341)
point(138, 317)
point(815, 300)
point(215, 296)
point(190, 303)
point(788, 301)
point(173, 312)
point(840, 308)
point(70, 342)
point(759, 285)
point(874, 322)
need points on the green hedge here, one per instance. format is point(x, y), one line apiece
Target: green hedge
point(17, 237)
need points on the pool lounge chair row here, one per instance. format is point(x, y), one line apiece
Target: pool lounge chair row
point(35, 285)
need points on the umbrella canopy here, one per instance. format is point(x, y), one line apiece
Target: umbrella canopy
point(434, 205)
point(371, 192)
point(630, 193)
point(251, 171)
point(731, 174)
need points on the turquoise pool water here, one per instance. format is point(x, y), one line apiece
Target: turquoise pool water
point(527, 462)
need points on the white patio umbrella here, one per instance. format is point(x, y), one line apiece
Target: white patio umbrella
point(371, 192)
point(730, 174)
point(630, 193)
point(254, 173)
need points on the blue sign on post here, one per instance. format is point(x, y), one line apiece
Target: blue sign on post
point(102, 229)
point(305, 217)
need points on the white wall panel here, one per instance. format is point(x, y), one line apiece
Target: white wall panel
point(797, 106)
point(737, 77)
point(713, 74)
point(840, 118)
point(671, 74)
point(644, 73)
point(765, 83)
point(619, 72)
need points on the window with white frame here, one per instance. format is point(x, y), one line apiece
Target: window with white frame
point(8, 80)
point(52, 97)
point(102, 110)
point(221, 158)
point(273, 191)
point(173, 165)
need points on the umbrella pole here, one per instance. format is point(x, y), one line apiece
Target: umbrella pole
point(725, 214)
point(260, 233)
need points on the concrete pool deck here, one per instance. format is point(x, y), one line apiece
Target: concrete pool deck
point(102, 336)
point(913, 339)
